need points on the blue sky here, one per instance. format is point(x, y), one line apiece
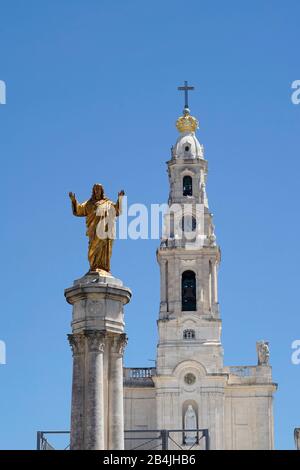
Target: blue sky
point(91, 97)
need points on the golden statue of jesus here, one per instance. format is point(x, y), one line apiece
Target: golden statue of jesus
point(100, 215)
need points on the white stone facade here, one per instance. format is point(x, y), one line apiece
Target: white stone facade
point(233, 403)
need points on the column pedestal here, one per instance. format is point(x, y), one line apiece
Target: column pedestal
point(98, 341)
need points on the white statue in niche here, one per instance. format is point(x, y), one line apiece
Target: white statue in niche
point(190, 422)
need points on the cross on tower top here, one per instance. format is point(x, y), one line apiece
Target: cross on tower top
point(186, 89)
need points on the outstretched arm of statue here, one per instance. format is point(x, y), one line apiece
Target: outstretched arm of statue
point(78, 209)
point(118, 205)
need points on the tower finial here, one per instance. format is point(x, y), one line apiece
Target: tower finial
point(186, 89)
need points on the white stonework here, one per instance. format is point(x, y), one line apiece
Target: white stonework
point(187, 146)
point(233, 403)
point(98, 341)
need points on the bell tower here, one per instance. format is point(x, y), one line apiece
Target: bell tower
point(189, 321)
point(189, 351)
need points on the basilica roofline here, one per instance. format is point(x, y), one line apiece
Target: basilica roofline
point(260, 380)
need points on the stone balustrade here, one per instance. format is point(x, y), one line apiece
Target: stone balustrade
point(141, 376)
point(249, 374)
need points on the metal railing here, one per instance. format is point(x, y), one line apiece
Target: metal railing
point(165, 439)
point(137, 439)
point(42, 443)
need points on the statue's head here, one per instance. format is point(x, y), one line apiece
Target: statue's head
point(98, 192)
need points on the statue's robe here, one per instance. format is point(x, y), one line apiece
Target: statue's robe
point(100, 223)
point(190, 422)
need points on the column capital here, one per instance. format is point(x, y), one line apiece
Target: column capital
point(77, 341)
point(95, 340)
point(119, 342)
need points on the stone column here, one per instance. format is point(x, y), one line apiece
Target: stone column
point(116, 411)
point(95, 432)
point(98, 342)
point(77, 343)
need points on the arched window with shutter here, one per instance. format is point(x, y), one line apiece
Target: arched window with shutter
point(187, 185)
point(188, 291)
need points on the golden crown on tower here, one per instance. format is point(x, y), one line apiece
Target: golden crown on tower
point(187, 123)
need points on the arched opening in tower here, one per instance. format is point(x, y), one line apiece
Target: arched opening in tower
point(187, 186)
point(188, 291)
